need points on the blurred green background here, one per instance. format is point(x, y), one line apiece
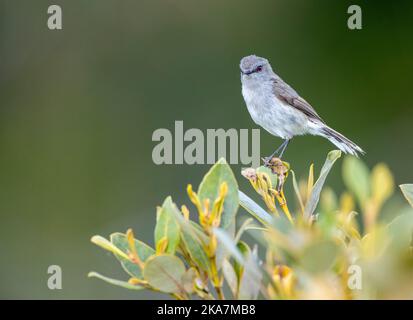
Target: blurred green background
point(78, 108)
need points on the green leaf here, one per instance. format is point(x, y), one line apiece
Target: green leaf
point(254, 209)
point(407, 190)
point(312, 202)
point(310, 181)
point(188, 280)
point(221, 251)
point(328, 202)
point(196, 250)
point(297, 192)
point(198, 231)
point(401, 230)
point(247, 223)
point(382, 183)
point(115, 282)
point(107, 245)
point(356, 176)
point(319, 256)
point(167, 226)
point(194, 240)
point(244, 250)
point(231, 277)
point(250, 282)
point(210, 185)
point(280, 223)
point(165, 273)
point(228, 243)
point(143, 250)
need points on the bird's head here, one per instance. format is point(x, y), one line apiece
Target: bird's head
point(254, 67)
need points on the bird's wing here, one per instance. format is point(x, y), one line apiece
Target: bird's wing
point(287, 94)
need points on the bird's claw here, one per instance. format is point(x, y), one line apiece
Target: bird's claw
point(267, 161)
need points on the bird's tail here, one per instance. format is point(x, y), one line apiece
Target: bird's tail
point(341, 142)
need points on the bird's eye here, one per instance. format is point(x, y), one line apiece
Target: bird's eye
point(258, 69)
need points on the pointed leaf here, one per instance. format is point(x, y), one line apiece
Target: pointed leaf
point(115, 282)
point(245, 250)
point(254, 209)
point(382, 183)
point(297, 192)
point(143, 251)
point(167, 226)
point(280, 223)
point(221, 251)
point(310, 181)
point(407, 190)
point(194, 241)
point(250, 283)
point(248, 222)
point(107, 245)
point(210, 185)
point(228, 243)
point(312, 202)
point(231, 277)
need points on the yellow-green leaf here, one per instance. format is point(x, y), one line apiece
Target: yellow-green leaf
point(165, 273)
point(143, 251)
point(254, 209)
point(273, 177)
point(297, 192)
point(209, 189)
point(166, 226)
point(328, 201)
point(312, 201)
point(115, 282)
point(382, 183)
point(310, 181)
point(188, 280)
point(231, 277)
point(195, 246)
point(194, 240)
point(319, 256)
point(356, 177)
point(107, 245)
point(407, 190)
point(250, 280)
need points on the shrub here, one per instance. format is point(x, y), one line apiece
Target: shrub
point(323, 250)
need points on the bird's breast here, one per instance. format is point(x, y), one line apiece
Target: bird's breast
point(273, 114)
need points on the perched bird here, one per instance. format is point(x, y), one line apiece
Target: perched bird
point(278, 108)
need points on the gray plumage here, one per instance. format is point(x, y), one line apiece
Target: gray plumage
point(279, 109)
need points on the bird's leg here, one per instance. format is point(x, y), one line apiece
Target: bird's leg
point(281, 148)
point(276, 151)
point(284, 147)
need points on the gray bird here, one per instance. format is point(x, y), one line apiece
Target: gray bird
point(278, 108)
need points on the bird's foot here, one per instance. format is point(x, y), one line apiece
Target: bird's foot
point(270, 161)
point(279, 168)
point(267, 161)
